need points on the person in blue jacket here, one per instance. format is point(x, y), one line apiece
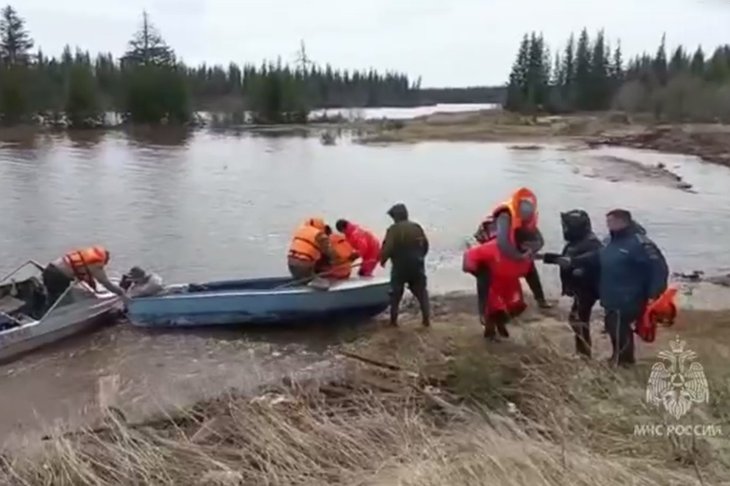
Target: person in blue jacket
point(632, 272)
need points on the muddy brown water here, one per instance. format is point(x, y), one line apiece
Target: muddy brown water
point(212, 205)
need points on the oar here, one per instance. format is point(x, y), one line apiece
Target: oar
point(300, 281)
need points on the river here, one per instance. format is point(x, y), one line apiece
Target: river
point(223, 205)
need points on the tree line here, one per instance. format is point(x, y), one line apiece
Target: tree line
point(589, 74)
point(148, 84)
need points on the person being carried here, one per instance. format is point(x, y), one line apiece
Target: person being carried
point(139, 283)
point(633, 273)
point(310, 251)
point(364, 242)
point(345, 255)
point(499, 292)
point(85, 265)
point(515, 217)
point(406, 246)
point(579, 281)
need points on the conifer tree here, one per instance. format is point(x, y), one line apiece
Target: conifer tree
point(15, 40)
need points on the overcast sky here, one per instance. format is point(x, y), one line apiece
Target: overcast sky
point(447, 42)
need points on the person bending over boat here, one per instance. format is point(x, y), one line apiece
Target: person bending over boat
point(406, 246)
point(139, 283)
point(310, 251)
point(85, 265)
point(345, 256)
point(517, 217)
point(364, 242)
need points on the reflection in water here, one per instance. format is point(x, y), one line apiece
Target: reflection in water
point(85, 139)
point(200, 206)
point(166, 136)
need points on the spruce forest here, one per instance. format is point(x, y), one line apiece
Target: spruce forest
point(149, 84)
point(589, 75)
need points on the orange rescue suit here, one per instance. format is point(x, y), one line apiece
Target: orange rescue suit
point(79, 262)
point(345, 253)
point(662, 310)
point(512, 206)
point(304, 245)
point(505, 291)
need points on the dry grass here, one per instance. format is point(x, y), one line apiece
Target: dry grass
point(493, 125)
point(447, 409)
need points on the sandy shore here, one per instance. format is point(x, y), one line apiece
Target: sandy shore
point(413, 406)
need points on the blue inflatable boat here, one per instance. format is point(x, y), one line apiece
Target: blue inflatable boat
point(260, 301)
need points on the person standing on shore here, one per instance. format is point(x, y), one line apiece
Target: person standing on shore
point(406, 246)
point(517, 217)
point(499, 293)
point(633, 273)
point(579, 281)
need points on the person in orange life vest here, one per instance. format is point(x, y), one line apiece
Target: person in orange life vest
point(310, 251)
point(345, 256)
point(85, 265)
point(518, 217)
point(498, 285)
point(364, 242)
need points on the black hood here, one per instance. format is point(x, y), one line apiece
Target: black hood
point(638, 228)
point(576, 225)
point(398, 212)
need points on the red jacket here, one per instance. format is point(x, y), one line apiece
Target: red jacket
point(505, 291)
point(364, 242)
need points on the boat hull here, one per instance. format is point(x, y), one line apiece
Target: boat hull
point(61, 323)
point(224, 305)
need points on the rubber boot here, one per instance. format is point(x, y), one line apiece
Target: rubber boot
point(582, 332)
point(501, 321)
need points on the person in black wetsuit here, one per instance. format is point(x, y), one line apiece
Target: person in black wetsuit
point(579, 281)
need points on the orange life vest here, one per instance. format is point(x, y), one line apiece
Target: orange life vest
point(662, 310)
point(80, 260)
point(512, 206)
point(304, 244)
point(344, 253)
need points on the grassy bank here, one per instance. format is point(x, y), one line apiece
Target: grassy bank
point(422, 407)
point(711, 142)
point(499, 125)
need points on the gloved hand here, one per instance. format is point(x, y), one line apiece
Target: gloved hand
point(551, 258)
point(563, 261)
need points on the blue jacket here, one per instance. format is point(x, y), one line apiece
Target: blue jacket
point(633, 270)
